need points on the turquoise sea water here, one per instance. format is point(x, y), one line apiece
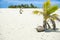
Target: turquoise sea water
point(38, 3)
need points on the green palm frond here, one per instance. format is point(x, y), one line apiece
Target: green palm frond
point(58, 19)
point(46, 5)
point(53, 23)
point(54, 16)
point(36, 12)
point(52, 9)
point(48, 25)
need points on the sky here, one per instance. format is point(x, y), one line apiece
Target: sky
point(38, 3)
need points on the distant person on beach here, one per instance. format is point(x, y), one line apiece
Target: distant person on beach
point(21, 10)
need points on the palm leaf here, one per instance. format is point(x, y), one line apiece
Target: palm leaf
point(46, 5)
point(52, 9)
point(48, 25)
point(54, 16)
point(53, 24)
point(36, 12)
point(58, 19)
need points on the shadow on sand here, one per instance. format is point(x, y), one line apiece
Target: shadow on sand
point(51, 30)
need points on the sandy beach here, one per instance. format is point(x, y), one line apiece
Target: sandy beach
point(16, 26)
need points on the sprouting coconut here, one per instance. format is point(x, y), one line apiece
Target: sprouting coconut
point(47, 13)
point(40, 28)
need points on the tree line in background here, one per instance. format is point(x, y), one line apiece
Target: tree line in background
point(23, 5)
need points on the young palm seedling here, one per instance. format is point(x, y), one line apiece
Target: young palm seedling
point(47, 13)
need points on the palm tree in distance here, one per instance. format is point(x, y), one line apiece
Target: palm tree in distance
point(47, 13)
point(26, 6)
point(32, 6)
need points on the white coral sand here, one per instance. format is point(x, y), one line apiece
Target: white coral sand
point(16, 26)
